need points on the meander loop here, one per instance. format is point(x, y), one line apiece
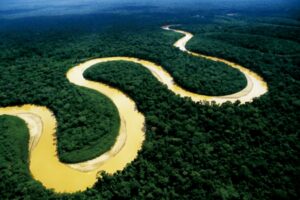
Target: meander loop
point(68, 178)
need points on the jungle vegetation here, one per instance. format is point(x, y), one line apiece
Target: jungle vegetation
point(192, 150)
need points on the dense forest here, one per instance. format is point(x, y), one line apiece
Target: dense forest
point(39, 84)
point(192, 150)
point(270, 45)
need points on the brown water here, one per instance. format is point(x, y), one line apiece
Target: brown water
point(44, 163)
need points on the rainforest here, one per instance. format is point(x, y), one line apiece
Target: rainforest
point(149, 100)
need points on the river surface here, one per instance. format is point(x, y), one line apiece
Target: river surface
point(68, 178)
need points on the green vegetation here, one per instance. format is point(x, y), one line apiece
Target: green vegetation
point(245, 25)
point(203, 76)
point(16, 182)
point(89, 141)
point(39, 65)
point(222, 155)
point(88, 122)
point(192, 150)
point(254, 42)
point(151, 43)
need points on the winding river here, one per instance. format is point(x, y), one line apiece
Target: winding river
point(68, 178)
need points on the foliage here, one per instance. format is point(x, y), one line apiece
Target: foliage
point(256, 42)
point(88, 122)
point(16, 182)
point(192, 150)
